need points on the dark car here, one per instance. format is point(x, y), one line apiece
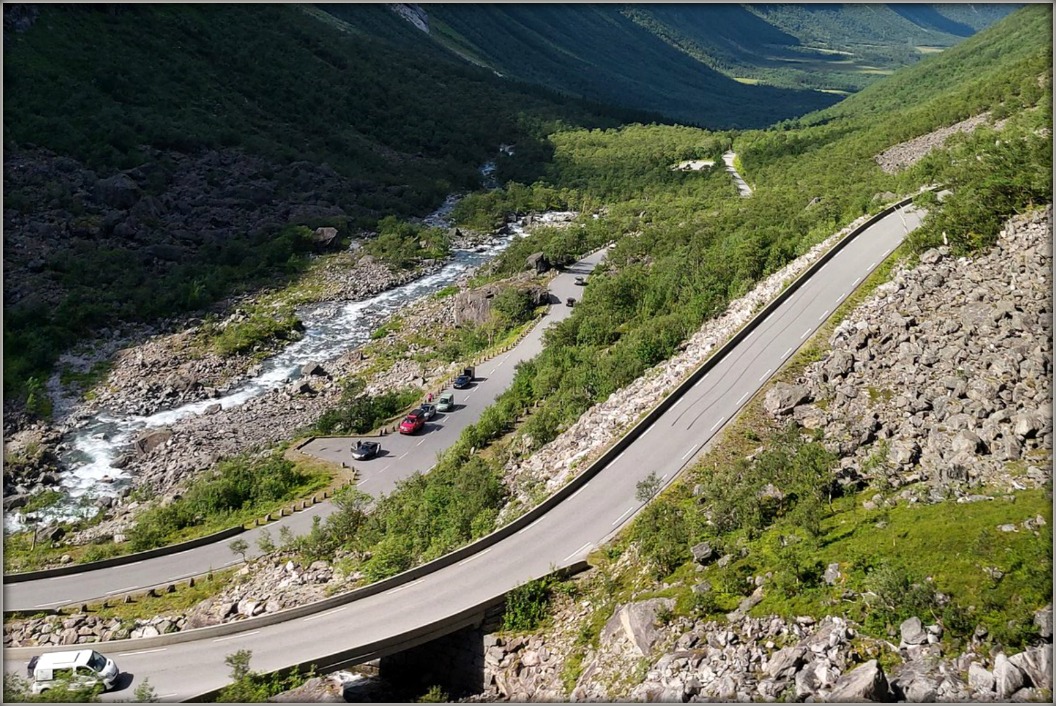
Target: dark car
point(571, 301)
point(461, 382)
point(581, 281)
point(412, 422)
point(364, 450)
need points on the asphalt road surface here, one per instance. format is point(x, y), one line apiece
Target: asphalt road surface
point(401, 457)
point(561, 537)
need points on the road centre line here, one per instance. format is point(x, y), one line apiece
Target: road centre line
point(408, 585)
point(625, 513)
point(310, 618)
point(717, 424)
point(577, 552)
point(420, 442)
point(464, 561)
point(232, 637)
point(141, 652)
point(405, 453)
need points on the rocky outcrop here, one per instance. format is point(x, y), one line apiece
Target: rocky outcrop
point(906, 154)
point(944, 375)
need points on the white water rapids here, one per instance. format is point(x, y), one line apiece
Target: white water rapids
point(329, 332)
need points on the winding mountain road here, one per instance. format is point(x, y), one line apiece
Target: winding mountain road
point(561, 537)
point(401, 457)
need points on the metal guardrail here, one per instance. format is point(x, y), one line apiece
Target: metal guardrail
point(524, 520)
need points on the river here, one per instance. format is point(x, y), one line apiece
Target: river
point(329, 332)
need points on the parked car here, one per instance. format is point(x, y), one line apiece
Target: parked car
point(446, 402)
point(365, 450)
point(461, 382)
point(412, 423)
point(427, 410)
point(75, 669)
point(571, 301)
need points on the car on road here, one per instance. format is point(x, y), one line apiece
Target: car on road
point(75, 669)
point(581, 281)
point(412, 423)
point(461, 382)
point(427, 410)
point(446, 402)
point(571, 301)
point(365, 450)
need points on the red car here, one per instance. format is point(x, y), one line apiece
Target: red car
point(412, 422)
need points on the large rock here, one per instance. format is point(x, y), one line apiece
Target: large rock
point(702, 553)
point(784, 663)
point(151, 440)
point(1008, 678)
point(782, 398)
point(866, 683)
point(1043, 619)
point(637, 621)
point(980, 679)
point(1036, 664)
point(538, 262)
point(118, 191)
point(913, 632)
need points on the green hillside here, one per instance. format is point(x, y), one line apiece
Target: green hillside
point(597, 51)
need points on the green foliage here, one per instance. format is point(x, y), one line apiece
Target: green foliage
point(404, 245)
point(17, 690)
point(239, 488)
point(647, 487)
point(260, 328)
point(239, 546)
point(144, 693)
point(357, 413)
point(513, 306)
point(662, 531)
point(527, 605)
point(435, 695)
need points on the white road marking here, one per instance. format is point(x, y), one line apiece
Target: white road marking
point(577, 552)
point(577, 492)
point(805, 334)
point(310, 618)
point(420, 442)
point(386, 468)
point(677, 402)
point(471, 558)
point(408, 585)
point(702, 379)
point(122, 590)
point(620, 456)
point(625, 513)
point(45, 605)
point(856, 281)
point(691, 450)
point(530, 526)
point(718, 424)
point(824, 315)
point(468, 394)
point(744, 397)
point(405, 453)
point(232, 637)
point(663, 477)
point(141, 652)
point(872, 264)
point(785, 354)
point(492, 371)
point(766, 374)
point(165, 696)
point(56, 578)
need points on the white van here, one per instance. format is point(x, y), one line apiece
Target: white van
point(78, 669)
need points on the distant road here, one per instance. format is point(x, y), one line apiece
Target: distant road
point(402, 456)
point(561, 537)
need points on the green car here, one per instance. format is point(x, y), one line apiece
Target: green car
point(446, 402)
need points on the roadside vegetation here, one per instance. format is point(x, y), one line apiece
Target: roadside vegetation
point(687, 245)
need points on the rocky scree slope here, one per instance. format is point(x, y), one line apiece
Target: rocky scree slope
point(992, 322)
